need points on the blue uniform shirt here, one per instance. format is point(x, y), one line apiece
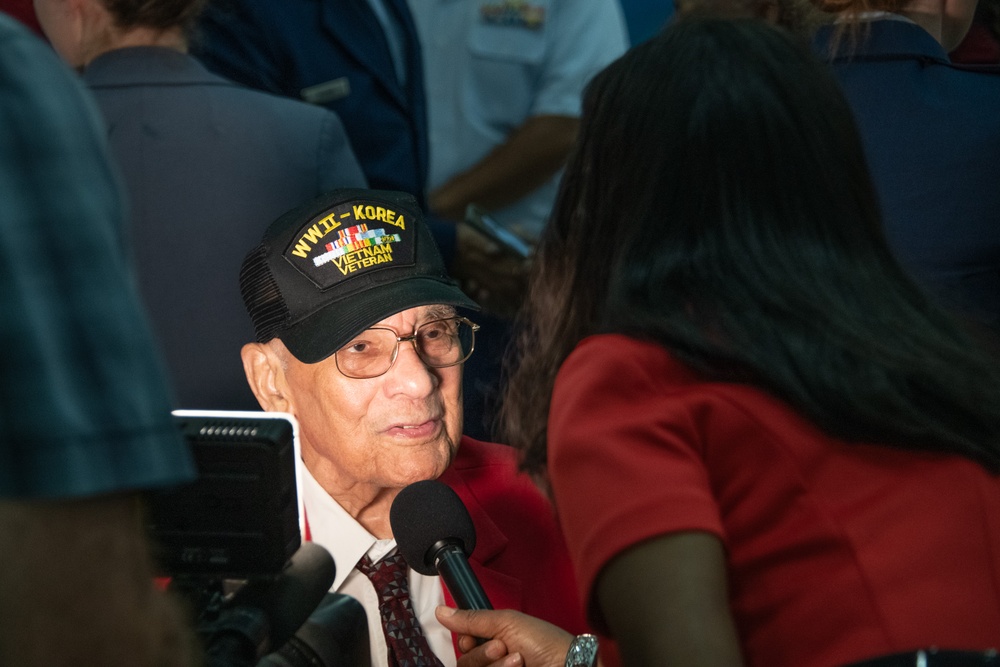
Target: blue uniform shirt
point(490, 65)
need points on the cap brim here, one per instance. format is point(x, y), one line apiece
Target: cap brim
point(324, 332)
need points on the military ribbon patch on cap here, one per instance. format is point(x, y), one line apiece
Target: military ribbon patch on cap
point(513, 13)
point(352, 239)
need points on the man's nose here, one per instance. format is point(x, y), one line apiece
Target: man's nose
point(410, 375)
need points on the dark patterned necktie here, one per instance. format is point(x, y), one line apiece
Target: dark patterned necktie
point(406, 641)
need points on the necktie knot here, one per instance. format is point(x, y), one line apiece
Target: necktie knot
point(388, 575)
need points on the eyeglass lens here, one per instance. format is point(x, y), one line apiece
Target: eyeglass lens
point(439, 343)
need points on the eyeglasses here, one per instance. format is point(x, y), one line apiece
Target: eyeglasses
point(439, 344)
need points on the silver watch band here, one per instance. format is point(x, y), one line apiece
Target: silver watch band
point(582, 652)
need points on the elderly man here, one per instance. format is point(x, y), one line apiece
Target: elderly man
point(359, 338)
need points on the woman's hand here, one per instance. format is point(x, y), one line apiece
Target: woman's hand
point(515, 639)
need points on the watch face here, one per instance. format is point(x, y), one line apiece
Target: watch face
point(582, 652)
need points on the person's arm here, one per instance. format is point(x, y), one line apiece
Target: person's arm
point(665, 602)
point(582, 37)
point(529, 157)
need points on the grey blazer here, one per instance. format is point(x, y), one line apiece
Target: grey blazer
point(207, 165)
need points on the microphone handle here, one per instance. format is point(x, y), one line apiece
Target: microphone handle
point(453, 566)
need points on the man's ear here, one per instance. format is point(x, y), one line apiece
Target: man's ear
point(266, 375)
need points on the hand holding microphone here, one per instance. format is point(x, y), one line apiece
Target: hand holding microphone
point(435, 534)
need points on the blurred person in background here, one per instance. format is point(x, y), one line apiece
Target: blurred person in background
point(207, 164)
point(85, 408)
point(930, 148)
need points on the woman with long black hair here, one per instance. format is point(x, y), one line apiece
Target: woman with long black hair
point(765, 444)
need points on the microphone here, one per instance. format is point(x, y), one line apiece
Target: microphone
point(435, 534)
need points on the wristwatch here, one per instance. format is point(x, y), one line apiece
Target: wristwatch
point(582, 652)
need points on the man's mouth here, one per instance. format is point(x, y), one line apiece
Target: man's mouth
point(416, 429)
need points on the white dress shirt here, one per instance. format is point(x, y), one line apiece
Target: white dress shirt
point(332, 527)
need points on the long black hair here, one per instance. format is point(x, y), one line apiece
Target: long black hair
point(718, 202)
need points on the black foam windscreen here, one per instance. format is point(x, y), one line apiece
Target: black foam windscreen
point(424, 514)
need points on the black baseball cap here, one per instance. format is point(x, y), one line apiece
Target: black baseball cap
point(335, 266)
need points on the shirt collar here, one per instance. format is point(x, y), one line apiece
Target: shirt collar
point(333, 528)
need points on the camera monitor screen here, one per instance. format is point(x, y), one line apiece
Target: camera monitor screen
point(240, 517)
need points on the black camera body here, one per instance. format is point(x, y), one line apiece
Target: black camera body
point(230, 542)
